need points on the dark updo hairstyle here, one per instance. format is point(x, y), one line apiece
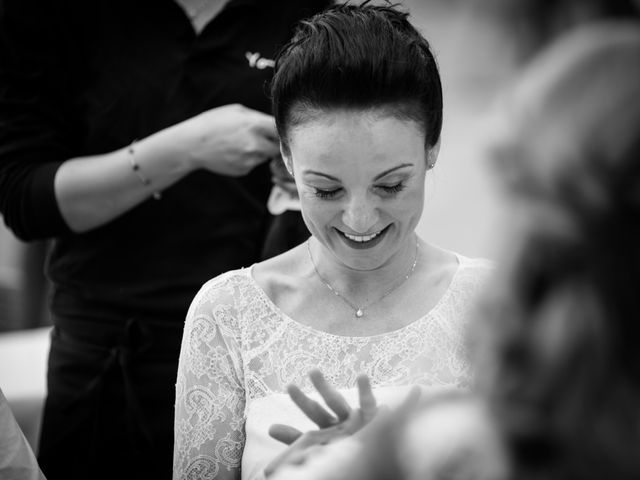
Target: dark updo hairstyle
point(357, 57)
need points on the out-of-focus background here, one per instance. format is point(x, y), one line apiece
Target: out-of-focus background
point(479, 45)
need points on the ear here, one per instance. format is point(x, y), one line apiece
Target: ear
point(432, 155)
point(286, 157)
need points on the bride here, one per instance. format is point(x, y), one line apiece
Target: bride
point(358, 106)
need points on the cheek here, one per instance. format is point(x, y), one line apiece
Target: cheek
point(410, 206)
point(316, 212)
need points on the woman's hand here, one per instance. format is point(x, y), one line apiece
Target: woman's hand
point(229, 140)
point(342, 422)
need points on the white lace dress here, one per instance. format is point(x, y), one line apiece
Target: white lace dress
point(240, 351)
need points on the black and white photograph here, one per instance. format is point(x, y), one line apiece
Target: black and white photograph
point(319, 240)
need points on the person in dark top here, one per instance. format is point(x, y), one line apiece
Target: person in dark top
point(136, 135)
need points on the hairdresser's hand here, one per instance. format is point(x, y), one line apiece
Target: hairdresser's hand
point(343, 422)
point(229, 140)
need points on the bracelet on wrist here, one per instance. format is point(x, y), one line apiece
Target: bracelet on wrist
point(136, 170)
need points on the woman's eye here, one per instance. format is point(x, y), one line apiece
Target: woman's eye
point(391, 189)
point(322, 193)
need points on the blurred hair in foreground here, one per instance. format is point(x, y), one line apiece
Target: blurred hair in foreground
point(558, 356)
point(555, 338)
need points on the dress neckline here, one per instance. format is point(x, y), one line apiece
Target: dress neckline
point(303, 326)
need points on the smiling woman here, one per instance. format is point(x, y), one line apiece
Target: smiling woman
point(363, 209)
point(358, 107)
point(361, 184)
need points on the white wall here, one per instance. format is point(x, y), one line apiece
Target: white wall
point(462, 210)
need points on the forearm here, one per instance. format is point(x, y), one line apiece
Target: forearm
point(209, 402)
point(92, 191)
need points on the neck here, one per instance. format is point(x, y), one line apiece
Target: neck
point(363, 286)
point(201, 12)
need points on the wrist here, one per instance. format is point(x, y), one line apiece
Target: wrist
point(135, 168)
point(166, 154)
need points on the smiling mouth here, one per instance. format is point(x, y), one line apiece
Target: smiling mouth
point(363, 238)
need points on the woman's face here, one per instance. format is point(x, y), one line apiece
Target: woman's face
point(360, 176)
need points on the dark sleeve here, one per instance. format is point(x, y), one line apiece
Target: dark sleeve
point(36, 115)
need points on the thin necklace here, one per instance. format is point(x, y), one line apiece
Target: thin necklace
point(359, 309)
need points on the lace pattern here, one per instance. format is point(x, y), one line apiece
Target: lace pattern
point(238, 347)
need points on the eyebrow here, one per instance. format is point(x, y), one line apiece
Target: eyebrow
point(377, 177)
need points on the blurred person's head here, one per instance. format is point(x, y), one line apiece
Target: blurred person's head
point(561, 363)
point(530, 25)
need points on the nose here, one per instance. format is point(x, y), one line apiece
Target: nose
point(361, 214)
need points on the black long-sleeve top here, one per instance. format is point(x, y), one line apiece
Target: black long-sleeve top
point(84, 77)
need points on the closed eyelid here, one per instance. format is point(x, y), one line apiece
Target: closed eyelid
point(390, 182)
point(325, 193)
point(392, 189)
point(393, 178)
point(323, 186)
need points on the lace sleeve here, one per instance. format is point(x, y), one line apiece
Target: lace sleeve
point(210, 396)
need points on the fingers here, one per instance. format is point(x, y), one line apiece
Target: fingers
point(334, 400)
point(312, 409)
point(368, 403)
point(262, 149)
point(284, 433)
point(266, 147)
point(266, 134)
point(257, 150)
point(265, 125)
point(279, 168)
point(234, 139)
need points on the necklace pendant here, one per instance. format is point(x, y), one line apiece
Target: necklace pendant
point(359, 313)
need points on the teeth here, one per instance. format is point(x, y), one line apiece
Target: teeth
point(362, 238)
